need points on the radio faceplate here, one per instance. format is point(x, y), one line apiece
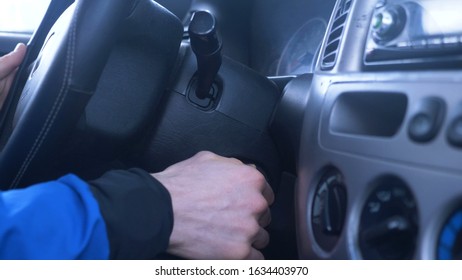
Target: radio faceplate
point(416, 33)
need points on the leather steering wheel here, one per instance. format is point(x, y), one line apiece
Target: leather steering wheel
point(57, 79)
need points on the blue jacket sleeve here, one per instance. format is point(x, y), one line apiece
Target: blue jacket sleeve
point(54, 220)
point(137, 210)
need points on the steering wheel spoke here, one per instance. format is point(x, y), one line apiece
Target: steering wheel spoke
point(64, 72)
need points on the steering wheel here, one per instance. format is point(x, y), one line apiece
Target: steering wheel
point(60, 73)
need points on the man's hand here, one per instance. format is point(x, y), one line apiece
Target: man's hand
point(220, 208)
point(8, 67)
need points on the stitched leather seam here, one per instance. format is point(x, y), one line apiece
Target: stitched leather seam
point(56, 106)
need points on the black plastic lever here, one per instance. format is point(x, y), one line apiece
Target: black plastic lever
point(207, 48)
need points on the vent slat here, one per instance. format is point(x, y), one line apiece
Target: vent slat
point(347, 6)
point(332, 47)
point(335, 34)
point(340, 21)
point(329, 57)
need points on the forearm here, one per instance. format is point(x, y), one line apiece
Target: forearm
point(53, 220)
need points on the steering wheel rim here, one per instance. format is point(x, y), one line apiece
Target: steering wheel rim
point(56, 91)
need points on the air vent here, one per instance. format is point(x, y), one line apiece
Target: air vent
point(329, 56)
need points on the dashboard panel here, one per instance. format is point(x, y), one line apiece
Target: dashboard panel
point(275, 38)
point(286, 35)
point(380, 141)
point(379, 172)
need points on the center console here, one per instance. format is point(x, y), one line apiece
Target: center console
point(380, 164)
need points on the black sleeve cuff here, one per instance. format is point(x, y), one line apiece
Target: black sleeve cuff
point(138, 213)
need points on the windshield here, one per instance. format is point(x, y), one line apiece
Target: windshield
point(21, 16)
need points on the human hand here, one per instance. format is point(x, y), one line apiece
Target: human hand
point(8, 67)
point(220, 208)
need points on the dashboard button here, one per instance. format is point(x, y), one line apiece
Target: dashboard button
point(435, 42)
point(419, 44)
point(451, 42)
point(420, 128)
point(455, 132)
point(426, 122)
point(403, 45)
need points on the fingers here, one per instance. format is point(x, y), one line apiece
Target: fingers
point(267, 191)
point(237, 230)
point(7, 82)
point(261, 239)
point(255, 255)
point(265, 218)
point(9, 62)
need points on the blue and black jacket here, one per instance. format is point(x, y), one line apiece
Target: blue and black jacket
point(121, 215)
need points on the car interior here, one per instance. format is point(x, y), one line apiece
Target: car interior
point(348, 107)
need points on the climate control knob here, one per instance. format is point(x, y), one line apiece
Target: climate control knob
point(389, 221)
point(450, 239)
point(329, 209)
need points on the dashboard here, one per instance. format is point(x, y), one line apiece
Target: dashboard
point(253, 35)
point(379, 173)
point(286, 36)
point(369, 120)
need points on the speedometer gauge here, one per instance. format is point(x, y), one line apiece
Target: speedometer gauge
point(299, 53)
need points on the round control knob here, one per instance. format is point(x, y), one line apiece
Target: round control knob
point(388, 24)
point(450, 239)
point(454, 133)
point(388, 226)
point(329, 209)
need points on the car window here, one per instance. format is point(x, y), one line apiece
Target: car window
point(21, 16)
